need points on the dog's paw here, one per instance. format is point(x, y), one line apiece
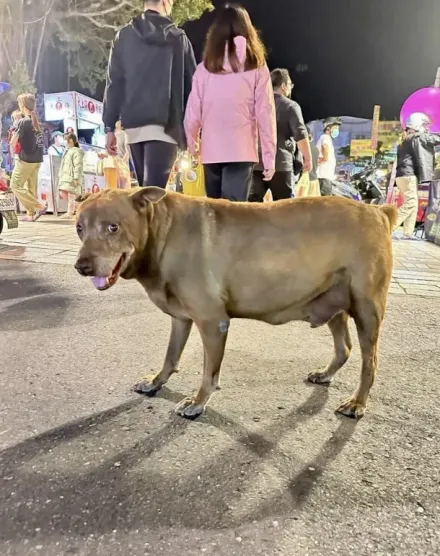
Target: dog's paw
point(189, 409)
point(351, 408)
point(319, 378)
point(147, 387)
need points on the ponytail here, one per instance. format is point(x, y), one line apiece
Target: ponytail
point(28, 101)
point(35, 123)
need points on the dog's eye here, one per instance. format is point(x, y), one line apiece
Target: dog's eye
point(113, 228)
point(79, 228)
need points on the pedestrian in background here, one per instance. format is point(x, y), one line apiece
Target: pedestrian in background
point(230, 103)
point(24, 179)
point(415, 164)
point(58, 146)
point(291, 134)
point(71, 176)
point(149, 80)
point(327, 155)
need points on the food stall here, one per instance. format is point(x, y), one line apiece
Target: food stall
point(81, 115)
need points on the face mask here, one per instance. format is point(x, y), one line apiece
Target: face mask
point(335, 133)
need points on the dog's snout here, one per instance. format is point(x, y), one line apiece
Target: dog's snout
point(84, 266)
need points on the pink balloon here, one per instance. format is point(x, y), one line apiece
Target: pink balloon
point(425, 100)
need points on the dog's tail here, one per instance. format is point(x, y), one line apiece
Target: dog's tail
point(391, 213)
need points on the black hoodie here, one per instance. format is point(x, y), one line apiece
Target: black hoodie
point(149, 77)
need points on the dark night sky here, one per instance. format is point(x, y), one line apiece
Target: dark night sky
point(357, 52)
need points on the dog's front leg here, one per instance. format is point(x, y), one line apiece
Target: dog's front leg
point(180, 330)
point(214, 335)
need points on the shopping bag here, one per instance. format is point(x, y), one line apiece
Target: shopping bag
point(314, 190)
point(124, 177)
point(303, 186)
point(193, 178)
point(268, 197)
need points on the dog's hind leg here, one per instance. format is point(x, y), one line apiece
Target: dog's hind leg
point(214, 335)
point(343, 345)
point(368, 315)
point(180, 330)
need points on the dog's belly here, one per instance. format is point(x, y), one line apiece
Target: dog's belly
point(316, 306)
point(279, 316)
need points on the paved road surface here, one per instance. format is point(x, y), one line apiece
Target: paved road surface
point(88, 468)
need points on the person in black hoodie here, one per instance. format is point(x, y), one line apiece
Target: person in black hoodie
point(149, 80)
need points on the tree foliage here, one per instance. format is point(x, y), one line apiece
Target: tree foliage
point(82, 29)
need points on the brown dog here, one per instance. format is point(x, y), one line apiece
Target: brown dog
point(318, 260)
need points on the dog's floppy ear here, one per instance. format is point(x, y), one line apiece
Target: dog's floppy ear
point(147, 195)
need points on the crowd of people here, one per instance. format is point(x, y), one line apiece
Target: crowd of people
point(230, 111)
point(27, 145)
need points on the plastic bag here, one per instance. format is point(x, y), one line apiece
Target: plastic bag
point(307, 188)
point(193, 179)
point(314, 190)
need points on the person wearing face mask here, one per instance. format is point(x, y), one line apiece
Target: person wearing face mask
point(415, 164)
point(149, 80)
point(58, 147)
point(292, 139)
point(327, 155)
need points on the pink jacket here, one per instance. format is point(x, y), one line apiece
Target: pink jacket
point(230, 109)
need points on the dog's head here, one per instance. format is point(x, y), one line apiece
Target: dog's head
point(113, 226)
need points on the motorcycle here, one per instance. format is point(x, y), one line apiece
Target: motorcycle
point(340, 189)
point(7, 207)
point(367, 184)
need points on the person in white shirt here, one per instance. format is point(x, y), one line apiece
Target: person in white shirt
point(58, 147)
point(327, 155)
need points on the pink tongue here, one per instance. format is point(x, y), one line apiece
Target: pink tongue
point(99, 281)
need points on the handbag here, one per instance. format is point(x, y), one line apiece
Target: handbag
point(193, 178)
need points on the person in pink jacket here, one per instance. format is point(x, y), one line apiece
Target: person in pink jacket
point(230, 104)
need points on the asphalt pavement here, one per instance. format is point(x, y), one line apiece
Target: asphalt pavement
point(89, 468)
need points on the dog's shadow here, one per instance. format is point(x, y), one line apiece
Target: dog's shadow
point(100, 497)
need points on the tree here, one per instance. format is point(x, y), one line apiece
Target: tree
point(25, 27)
point(85, 33)
point(83, 29)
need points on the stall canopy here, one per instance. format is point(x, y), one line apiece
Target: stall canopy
point(76, 111)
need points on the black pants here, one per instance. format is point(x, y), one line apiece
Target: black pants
point(280, 186)
point(228, 180)
point(153, 162)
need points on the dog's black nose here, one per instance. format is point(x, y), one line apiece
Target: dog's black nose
point(84, 267)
